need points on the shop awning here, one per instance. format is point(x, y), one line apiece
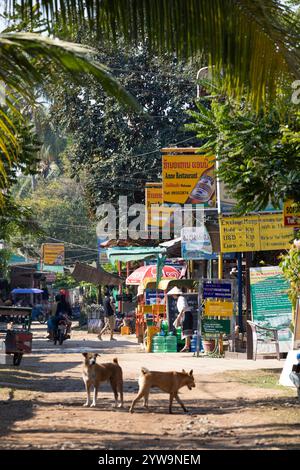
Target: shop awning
point(166, 284)
point(133, 253)
point(97, 276)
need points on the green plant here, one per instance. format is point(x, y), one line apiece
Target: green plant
point(290, 265)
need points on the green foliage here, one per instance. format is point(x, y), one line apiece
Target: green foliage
point(105, 138)
point(258, 153)
point(290, 265)
point(253, 42)
point(64, 281)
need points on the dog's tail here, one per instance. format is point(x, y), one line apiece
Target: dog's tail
point(115, 360)
point(144, 370)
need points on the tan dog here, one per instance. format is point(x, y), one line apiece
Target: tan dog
point(169, 382)
point(93, 374)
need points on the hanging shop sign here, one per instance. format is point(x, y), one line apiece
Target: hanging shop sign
point(53, 254)
point(189, 179)
point(271, 307)
point(214, 327)
point(195, 243)
point(254, 233)
point(215, 308)
point(157, 214)
point(102, 252)
point(212, 289)
point(153, 297)
point(291, 214)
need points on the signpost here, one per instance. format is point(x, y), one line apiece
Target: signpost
point(53, 254)
point(218, 308)
point(157, 215)
point(195, 243)
point(212, 326)
point(217, 297)
point(270, 304)
point(254, 233)
point(188, 177)
point(216, 290)
point(291, 214)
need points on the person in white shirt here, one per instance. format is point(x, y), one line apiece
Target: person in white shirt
point(184, 318)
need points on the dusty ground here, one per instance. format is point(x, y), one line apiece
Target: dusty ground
point(236, 404)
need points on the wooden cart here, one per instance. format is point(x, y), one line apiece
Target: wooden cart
point(15, 325)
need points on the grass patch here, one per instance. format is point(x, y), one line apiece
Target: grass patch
point(261, 378)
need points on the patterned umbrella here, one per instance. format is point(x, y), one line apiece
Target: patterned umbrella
point(141, 273)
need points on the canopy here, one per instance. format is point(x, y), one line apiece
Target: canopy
point(133, 253)
point(149, 271)
point(166, 284)
point(97, 276)
point(26, 291)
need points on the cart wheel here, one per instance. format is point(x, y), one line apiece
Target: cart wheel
point(17, 359)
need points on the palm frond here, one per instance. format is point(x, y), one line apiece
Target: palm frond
point(254, 42)
point(19, 52)
point(22, 60)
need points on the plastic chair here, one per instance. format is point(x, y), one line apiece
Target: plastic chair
point(261, 334)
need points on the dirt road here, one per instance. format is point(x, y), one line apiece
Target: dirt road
point(236, 404)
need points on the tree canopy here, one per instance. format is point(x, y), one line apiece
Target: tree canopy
point(255, 43)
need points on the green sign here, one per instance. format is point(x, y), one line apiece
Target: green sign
point(210, 326)
point(271, 306)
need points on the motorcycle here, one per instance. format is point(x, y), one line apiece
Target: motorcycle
point(61, 331)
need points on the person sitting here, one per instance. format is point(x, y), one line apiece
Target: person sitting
point(64, 311)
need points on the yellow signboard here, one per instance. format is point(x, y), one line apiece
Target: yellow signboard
point(189, 178)
point(157, 214)
point(291, 213)
point(254, 233)
point(53, 254)
point(215, 308)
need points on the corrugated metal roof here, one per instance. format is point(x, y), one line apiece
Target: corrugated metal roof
point(97, 276)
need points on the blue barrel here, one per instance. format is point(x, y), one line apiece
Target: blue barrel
point(194, 343)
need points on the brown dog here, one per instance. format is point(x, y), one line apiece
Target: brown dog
point(93, 374)
point(169, 382)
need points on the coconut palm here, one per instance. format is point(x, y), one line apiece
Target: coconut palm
point(254, 42)
point(23, 61)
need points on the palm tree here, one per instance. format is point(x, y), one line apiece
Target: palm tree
point(23, 58)
point(254, 42)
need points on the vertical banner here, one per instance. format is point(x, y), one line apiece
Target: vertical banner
point(102, 252)
point(157, 215)
point(188, 178)
point(271, 307)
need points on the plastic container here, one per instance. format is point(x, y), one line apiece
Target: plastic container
point(194, 343)
point(171, 343)
point(158, 344)
point(125, 330)
point(165, 326)
point(178, 335)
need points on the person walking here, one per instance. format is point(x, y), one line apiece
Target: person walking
point(184, 318)
point(109, 316)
